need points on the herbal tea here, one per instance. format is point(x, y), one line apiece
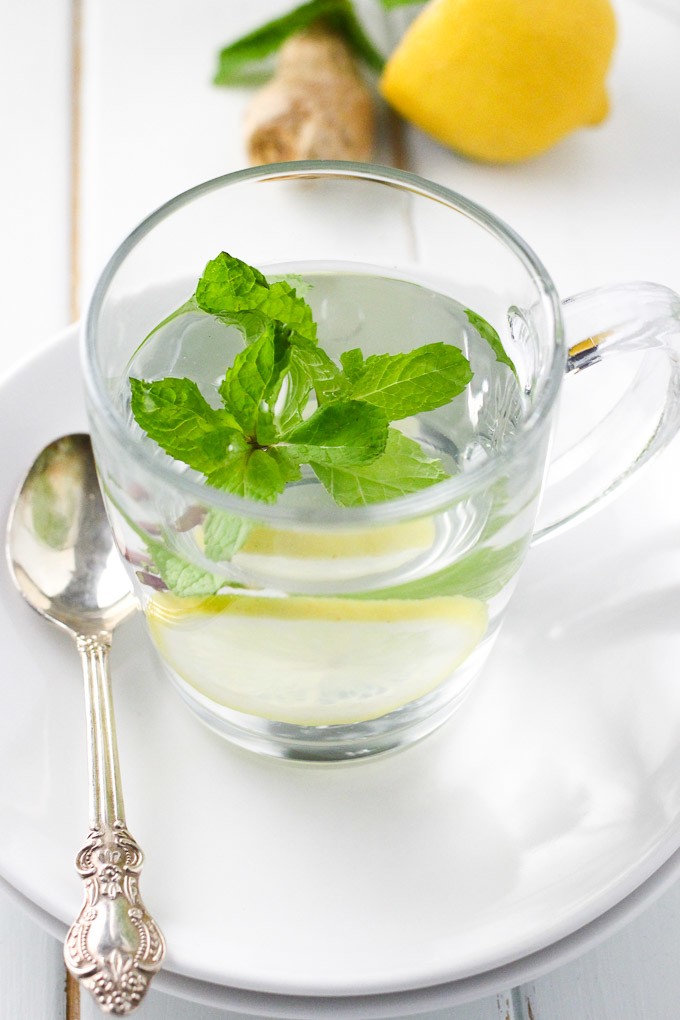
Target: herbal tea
point(312, 390)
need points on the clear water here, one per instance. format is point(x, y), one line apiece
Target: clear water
point(379, 315)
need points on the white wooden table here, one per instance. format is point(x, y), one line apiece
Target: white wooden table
point(106, 110)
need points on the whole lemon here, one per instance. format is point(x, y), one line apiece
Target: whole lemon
point(503, 80)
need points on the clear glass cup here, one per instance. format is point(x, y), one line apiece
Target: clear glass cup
point(343, 632)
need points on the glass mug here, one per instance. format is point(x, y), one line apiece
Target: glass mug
point(335, 632)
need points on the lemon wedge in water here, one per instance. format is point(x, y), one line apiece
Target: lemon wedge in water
point(314, 661)
point(404, 537)
point(308, 555)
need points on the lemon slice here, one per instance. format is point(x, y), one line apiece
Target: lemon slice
point(313, 556)
point(406, 536)
point(314, 661)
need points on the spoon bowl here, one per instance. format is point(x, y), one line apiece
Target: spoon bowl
point(60, 546)
point(63, 560)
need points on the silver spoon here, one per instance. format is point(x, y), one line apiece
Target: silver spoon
point(63, 561)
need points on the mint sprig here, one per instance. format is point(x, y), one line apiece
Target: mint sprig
point(286, 403)
point(240, 296)
point(251, 386)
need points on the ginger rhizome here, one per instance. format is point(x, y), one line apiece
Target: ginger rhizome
point(317, 106)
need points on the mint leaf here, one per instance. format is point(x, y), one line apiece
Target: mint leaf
point(297, 282)
point(287, 463)
point(389, 4)
point(321, 371)
point(488, 333)
point(251, 386)
point(240, 295)
point(293, 397)
point(181, 577)
point(176, 415)
point(224, 534)
point(252, 474)
point(245, 61)
point(348, 432)
point(402, 468)
point(285, 305)
point(229, 285)
point(407, 384)
point(352, 363)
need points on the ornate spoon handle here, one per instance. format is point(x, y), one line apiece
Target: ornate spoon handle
point(114, 947)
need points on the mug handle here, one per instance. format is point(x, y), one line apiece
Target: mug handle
point(598, 447)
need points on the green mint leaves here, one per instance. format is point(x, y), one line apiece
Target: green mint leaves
point(285, 403)
point(488, 333)
point(181, 577)
point(248, 60)
point(240, 295)
point(407, 384)
point(403, 468)
point(177, 416)
point(340, 434)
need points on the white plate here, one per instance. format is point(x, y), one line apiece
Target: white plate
point(525, 828)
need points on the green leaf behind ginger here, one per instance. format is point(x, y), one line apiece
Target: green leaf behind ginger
point(248, 60)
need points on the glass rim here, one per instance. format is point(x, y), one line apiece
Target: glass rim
point(415, 504)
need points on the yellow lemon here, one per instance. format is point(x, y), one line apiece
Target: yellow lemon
point(314, 661)
point(503, 80)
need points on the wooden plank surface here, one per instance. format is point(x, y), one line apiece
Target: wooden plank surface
point(35, 117)
point(32, 975)
point(634, 975)
point(162, 126)
point(159, 1006)
point(35, 227)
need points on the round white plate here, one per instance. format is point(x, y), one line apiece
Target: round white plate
point(524, 829)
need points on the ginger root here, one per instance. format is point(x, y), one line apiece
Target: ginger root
point(317, 106)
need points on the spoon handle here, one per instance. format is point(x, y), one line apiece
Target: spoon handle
point(114, 947)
